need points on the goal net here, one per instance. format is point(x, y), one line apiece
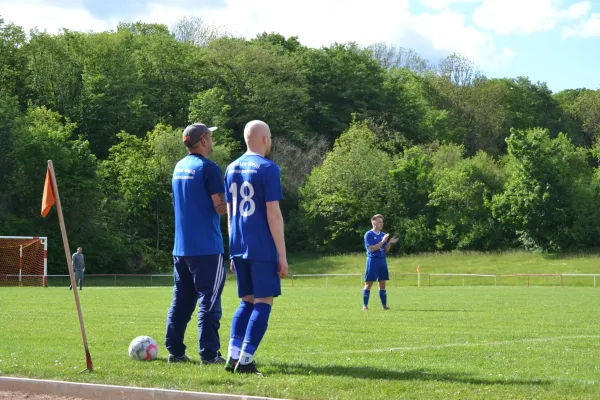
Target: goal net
point(23, 261)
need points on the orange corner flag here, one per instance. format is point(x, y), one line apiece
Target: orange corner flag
point(48, 198)
point(418, 268)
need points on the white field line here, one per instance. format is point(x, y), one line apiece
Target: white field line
point(466, 344)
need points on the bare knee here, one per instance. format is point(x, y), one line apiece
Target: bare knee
point(267, 300)
point(248, 299)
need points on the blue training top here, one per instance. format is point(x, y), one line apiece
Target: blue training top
point(197, 223)
point(371, 239)
point(250, 182)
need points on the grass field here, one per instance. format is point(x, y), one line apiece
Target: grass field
point(437, 342)
point(403, 270)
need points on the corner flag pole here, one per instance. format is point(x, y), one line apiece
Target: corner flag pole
point(88, 357)
point(419, 275)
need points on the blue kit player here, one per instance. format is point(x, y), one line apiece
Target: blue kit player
point(377, 245)
point(256, 244)
point(199, 271)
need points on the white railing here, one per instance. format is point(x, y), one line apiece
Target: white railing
point(463, 277)
point(594, 275)
point(292, 276)
point(394, 277)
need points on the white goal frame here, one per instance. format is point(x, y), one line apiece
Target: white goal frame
point(44, 241)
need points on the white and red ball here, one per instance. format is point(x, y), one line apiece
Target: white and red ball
point(143, 348)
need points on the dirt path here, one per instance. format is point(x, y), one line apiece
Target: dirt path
point(32, 396)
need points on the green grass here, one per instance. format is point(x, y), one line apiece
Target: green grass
point(437, 342)
point(403, 270)
point(455, 262)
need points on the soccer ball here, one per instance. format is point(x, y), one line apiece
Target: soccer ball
point(143, 348)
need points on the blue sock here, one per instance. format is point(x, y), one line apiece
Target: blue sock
point(239, 324)
point(383, 297)
point(366, 294)
point(257, 326)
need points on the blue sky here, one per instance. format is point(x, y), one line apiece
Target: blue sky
point(554, 41)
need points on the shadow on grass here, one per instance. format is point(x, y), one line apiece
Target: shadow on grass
point(409, 375)
point(436, 310)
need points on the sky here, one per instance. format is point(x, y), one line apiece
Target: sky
point(552, 41)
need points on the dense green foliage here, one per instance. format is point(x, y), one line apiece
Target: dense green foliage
point(453, 159)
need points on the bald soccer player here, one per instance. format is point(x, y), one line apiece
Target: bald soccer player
point(256, 244)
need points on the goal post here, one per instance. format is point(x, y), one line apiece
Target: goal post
point(23, 261)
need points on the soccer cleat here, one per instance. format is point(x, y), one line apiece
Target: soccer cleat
point(365, 308)
point(247, 369)
point(217, 360)
point(182, 359)
point(386, 307)
point(230, 364)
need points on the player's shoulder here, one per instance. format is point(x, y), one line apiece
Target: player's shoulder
point(369, 233)
point(269, 167)
point(207, 163)
point(252, 161)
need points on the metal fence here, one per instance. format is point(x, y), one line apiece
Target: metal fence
point(396, 279)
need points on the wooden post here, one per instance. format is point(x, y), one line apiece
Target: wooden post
point(63, 230)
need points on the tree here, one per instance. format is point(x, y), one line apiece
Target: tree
point(340, 196)
point(9, 116)
point(583, 107)
point(290, 45)
point(40, 135)
point(253, 80)
point(462, 191)
point(539, 197)
point(55, 68)
point(392, 57)
point(343, 80)
point(13, 60)
point(531, 105)
point(195, 31)
point(413, 220)
point(407, 117)
point(458, 70)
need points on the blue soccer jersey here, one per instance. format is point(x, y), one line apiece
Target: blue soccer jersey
point(197, 225)
point(250, 182)
point(371, 239)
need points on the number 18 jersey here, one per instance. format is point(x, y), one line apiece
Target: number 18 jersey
point(250, 182)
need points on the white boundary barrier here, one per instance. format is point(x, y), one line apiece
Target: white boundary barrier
point(291, 276)
point(594, 275)
point(463, 277)
point(109, 392)
point(392, 275)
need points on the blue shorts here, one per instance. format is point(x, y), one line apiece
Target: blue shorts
point(258, 278)
point(377, 270)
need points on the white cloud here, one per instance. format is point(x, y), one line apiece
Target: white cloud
point(322, 22)
point(34, 13)
point(526, 16)
point(447, 32)
point(316, 22)
point(589, 28)
point(577, 10)
point(441, 4)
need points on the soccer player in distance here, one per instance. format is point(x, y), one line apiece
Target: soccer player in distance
point(199, 271)
point(377, 245)
point(256, 244)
